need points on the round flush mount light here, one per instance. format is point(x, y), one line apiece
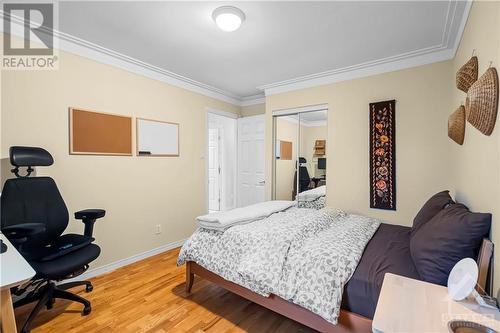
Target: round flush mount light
point(228, 18)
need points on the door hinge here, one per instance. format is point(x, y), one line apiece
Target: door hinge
point(219, 171)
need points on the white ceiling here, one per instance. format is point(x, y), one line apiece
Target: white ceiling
point(279, 41)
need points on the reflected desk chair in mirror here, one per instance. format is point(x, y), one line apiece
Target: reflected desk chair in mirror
point(33, 218)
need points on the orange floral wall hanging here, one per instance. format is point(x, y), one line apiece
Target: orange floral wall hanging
point(383, 155)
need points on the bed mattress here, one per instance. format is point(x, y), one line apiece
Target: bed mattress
point(387, 252)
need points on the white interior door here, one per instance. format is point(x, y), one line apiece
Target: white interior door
point(251, 160)
point(213, 170)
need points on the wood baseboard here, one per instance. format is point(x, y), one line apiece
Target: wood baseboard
point(349, 322)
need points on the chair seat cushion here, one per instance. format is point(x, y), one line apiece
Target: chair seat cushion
point(60, 247)
point(63, 266)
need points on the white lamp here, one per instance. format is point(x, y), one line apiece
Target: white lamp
point(462, 283)
point(228, 18)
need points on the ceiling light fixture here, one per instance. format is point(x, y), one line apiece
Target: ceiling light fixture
point(228, 18)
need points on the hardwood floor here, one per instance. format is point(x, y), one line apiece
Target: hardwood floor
point(149, 296)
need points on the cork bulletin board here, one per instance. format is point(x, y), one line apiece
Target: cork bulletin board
point(285, 150)
point(96, 133)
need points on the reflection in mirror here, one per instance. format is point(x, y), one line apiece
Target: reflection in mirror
point(285, 155)
point(300, 158)
point(312, 157)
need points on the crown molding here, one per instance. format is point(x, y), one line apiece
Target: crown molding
point(442, 52)
point(357, 71)
point(446, 50)
point(301, 109)
point(78, 46)
point(101, 54)
point(253, 100)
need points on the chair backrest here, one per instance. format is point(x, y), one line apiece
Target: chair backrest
point(304, 178)
point(303, 173)
point(33, 199)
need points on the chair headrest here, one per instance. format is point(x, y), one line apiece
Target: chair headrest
point(301, 162)
point(29, 157)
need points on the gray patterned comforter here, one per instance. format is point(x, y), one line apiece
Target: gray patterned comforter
point(315, 204)
point(305, 256)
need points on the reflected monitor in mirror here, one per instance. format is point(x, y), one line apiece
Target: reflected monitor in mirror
point(322, 163)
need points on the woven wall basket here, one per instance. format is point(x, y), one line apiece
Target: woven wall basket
point(482, 102)
point(456, 125)
point(467, 74)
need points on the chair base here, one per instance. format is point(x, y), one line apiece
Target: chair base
point(46, 296)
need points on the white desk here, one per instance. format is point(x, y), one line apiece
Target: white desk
point(14, 270)
point(407, 305)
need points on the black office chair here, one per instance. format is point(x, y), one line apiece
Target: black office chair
point(304, 179)
point(33, 217)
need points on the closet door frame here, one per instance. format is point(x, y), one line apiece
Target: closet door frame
point(290, 112)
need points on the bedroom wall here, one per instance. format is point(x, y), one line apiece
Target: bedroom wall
point(252, 110)
point(423, 96)
point(475, 166)
point(137, 192)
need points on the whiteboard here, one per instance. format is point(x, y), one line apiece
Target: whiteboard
point(157, 138)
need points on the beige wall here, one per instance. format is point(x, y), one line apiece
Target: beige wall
point(475, 166)
point(423, 97)
point(253, 110)
point(137, 192)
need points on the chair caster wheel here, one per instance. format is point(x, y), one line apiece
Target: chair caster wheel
point(86, 310)
point(89, 288)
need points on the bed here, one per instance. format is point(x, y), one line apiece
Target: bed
point(387, 252)
point(314, 198)
point(388, 249)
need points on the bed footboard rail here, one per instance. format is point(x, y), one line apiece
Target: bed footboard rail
point(348, 322)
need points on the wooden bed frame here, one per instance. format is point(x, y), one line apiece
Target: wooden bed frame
point(348, 322)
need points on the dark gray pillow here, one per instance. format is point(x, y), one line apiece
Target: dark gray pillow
point(433, 206)
point(451, 235)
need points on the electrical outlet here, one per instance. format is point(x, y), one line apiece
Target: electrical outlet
point(158, 229)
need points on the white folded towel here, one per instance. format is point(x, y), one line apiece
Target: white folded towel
point(311, 195)
point(243, 215)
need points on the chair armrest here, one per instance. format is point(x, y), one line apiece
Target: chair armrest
point(19, 233)
point(90, 214)
point(88, 217)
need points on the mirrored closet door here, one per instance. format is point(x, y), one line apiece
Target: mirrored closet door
point(299, 168)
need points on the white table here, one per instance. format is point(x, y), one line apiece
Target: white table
point(14, 270)
point(408, 305)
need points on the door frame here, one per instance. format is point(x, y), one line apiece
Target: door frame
point(234, 116)
point(219, 167)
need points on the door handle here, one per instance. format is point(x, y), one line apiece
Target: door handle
point(261, 182)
